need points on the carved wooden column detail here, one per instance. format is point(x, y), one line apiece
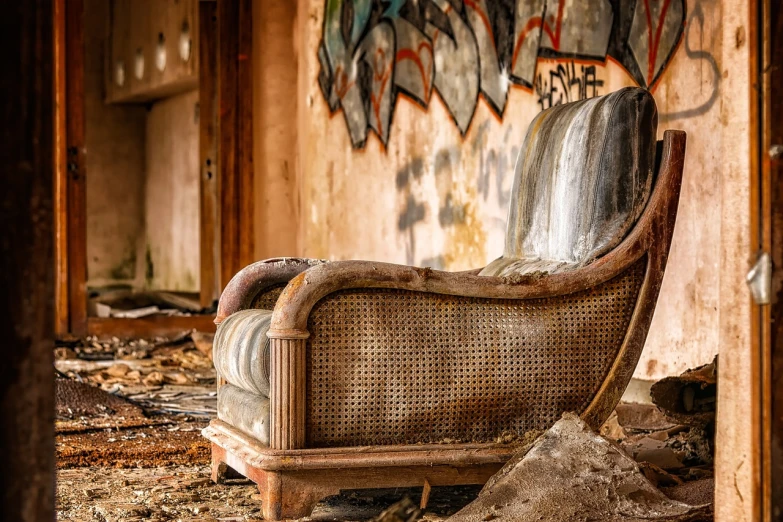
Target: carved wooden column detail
point(287, 393)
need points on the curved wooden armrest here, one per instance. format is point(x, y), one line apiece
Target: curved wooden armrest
point(649, 240)
point(254, 278)
point(652, 234)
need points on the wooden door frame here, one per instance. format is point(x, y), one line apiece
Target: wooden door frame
point(27, 248)
point(226, 199)
point(767, 236)
point(235, 141)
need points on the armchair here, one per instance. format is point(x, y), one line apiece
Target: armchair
point(356, 374)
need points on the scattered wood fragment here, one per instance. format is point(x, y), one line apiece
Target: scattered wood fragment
point(425, 495)
point(203, 342)
point(403, 511)
point(690, 398)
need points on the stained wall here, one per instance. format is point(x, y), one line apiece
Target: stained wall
point(142, 202)
point(115, 137)
point(275, 105)
point(171, 210)
point(411, 119)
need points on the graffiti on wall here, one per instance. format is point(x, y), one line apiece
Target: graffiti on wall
point(373, 51)
point(566, 83)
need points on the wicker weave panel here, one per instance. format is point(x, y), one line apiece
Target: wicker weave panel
point(267, 299)
point(392, 366)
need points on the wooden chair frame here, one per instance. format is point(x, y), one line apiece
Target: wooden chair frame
point(292, 477)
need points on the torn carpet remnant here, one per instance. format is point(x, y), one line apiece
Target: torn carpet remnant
point(572, 474)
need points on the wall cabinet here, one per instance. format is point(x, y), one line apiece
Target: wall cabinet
point(151, 49)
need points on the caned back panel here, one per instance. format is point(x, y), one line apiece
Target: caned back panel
point(267, 298)
point(402, 367)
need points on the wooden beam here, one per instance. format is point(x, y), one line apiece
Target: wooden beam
point(245, 134)
point(772, 186)
point(738, 434)
point(61, 297)
point(76, 167)
point(208, 136)
point(27, 261)
point(235, 179)
point(149, 326)
point(228, 45)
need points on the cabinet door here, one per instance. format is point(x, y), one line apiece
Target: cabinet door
point(155, 43)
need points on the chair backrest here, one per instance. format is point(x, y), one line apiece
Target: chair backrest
point(582, 179)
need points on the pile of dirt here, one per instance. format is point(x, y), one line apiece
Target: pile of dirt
point(148, 447)
point(76, 399)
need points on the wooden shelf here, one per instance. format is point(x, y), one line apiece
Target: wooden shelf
point(153, 326)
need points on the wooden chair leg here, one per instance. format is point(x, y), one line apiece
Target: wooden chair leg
point(287, 497)
point(219, 470)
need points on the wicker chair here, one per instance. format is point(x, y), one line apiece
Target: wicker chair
point(377, 375)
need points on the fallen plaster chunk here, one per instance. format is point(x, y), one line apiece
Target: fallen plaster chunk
point(572, 474)
point(642, 417)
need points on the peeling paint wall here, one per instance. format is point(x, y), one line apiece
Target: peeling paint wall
point(172, 251)
point(276, 205)
point(115, 161)
point(400, 171)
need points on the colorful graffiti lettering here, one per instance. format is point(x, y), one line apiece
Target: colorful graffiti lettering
point(373, 50)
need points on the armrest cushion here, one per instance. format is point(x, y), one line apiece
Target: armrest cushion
point(241, 350)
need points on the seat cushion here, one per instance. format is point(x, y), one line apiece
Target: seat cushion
point(582, 179)
point(245, 411)
point(241, 350)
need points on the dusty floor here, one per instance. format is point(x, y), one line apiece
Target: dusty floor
point(138, 453)
point(147, 460)
point(186, 493)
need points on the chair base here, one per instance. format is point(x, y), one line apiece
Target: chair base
point(292, 482)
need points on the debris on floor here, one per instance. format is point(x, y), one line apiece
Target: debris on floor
point(130, 304)
point(163, 375)
point(133, 403)
point(129, 447)
point(571, 473)
point(403, 511)
point(186, 493)
point(167, 444)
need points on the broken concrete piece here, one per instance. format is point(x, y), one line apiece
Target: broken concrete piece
point(64, 353)
point(572, 474)
point(612, 430)
point(659, 477)
point(153, 379)
point(118, 370)
point(654, 451)
point(641, 417)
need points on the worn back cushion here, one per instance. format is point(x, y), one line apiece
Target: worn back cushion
point(582, 179)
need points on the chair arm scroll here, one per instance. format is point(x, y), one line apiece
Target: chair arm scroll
point(255, 278)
